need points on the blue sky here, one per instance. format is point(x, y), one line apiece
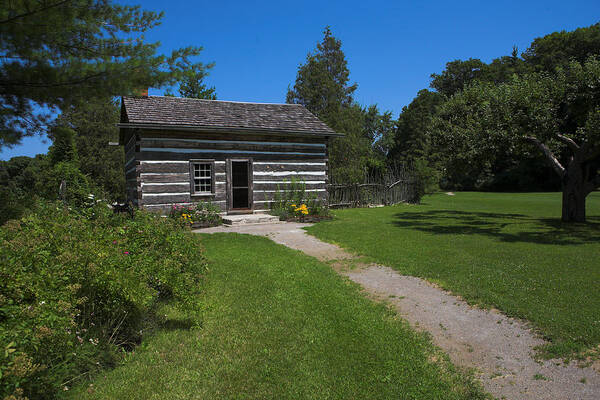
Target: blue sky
point(391, 46)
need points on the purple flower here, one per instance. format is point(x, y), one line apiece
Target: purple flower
point(126, 253)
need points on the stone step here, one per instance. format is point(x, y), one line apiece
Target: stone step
point(245, 219)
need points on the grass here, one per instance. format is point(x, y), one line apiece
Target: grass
point(281, 325)
point(502, 250)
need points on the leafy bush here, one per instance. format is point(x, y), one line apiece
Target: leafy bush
point(294, 202)
point(202, 213)
point(76, 286)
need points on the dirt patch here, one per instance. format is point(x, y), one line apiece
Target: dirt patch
point(500, 349)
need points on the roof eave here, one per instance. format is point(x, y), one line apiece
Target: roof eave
point(219, 129)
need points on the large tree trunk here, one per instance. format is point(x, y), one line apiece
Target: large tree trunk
point(579, 179)
point(574, 194)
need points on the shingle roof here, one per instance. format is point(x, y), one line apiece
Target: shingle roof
point(183, 112)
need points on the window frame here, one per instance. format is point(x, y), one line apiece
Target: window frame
point(210, 162)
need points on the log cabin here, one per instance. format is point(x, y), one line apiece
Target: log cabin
point(233, 154)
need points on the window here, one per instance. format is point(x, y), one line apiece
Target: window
point(202, 176)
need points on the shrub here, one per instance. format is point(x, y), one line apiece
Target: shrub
point(75, 286)
point(203, 213)
point(294, 202)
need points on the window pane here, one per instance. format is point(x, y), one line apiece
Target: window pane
point(202, 176)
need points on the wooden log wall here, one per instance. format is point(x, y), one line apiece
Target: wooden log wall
point(131, 177)
point(158, 173)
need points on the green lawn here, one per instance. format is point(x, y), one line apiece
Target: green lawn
point(504, 250)
point(280, 325)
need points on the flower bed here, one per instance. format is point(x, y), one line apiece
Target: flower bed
point(199, 215)
point(302, 213)
point(294, 203)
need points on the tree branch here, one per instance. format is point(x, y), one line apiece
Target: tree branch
point(569, 142)
point(560, 170)
point(27, 14)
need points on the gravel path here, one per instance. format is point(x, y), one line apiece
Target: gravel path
point(498, 348)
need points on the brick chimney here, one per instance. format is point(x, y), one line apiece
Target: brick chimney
point(142, 92)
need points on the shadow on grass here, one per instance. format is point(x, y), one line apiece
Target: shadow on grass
point(505, 227)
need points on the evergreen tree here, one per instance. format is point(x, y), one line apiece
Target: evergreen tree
point(322, 86)
point(322, 82)
point(56, 53)
point(192, 85)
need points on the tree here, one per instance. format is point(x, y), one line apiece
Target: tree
point(322, 86)
point(412, 139)
point(559, 48)
point(18, 178)
point(94, 123)
point(322, 82)
point(62, 166)
point(63, 146)
point(502, 69)
point(192, 86)
point(457, 75)
point(548, 111)
point(379, 129)
point(55, 53)
point(350, 156)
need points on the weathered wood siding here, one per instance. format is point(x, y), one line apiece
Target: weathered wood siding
point(158, 172)
point(131, 175)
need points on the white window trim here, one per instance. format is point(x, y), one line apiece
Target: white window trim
point(192, 177)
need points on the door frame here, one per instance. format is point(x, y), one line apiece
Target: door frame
point(230, 208)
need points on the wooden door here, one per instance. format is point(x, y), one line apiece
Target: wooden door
point(239, 185)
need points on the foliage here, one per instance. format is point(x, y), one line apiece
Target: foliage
point(282, 325)
point(503, 250)
point(322, 84)
point(559, 48)
point(412, 140)
point(503, 171)
point(413, 143)
point(191, 85)
point(99, 172)
point(77, 187)
point(292, 191)
point(63, 146)
point(18, 178)
point(457, 74)
point(24, 179)
point(291, 200)
point(76, 285)
point(94, 123)
point(57, 53)
point(61, 172)
point(204, 213)
point(550, 111)
point(349, 155)
point(323, 87)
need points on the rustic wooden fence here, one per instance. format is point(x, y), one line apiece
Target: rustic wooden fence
point(401, 186)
